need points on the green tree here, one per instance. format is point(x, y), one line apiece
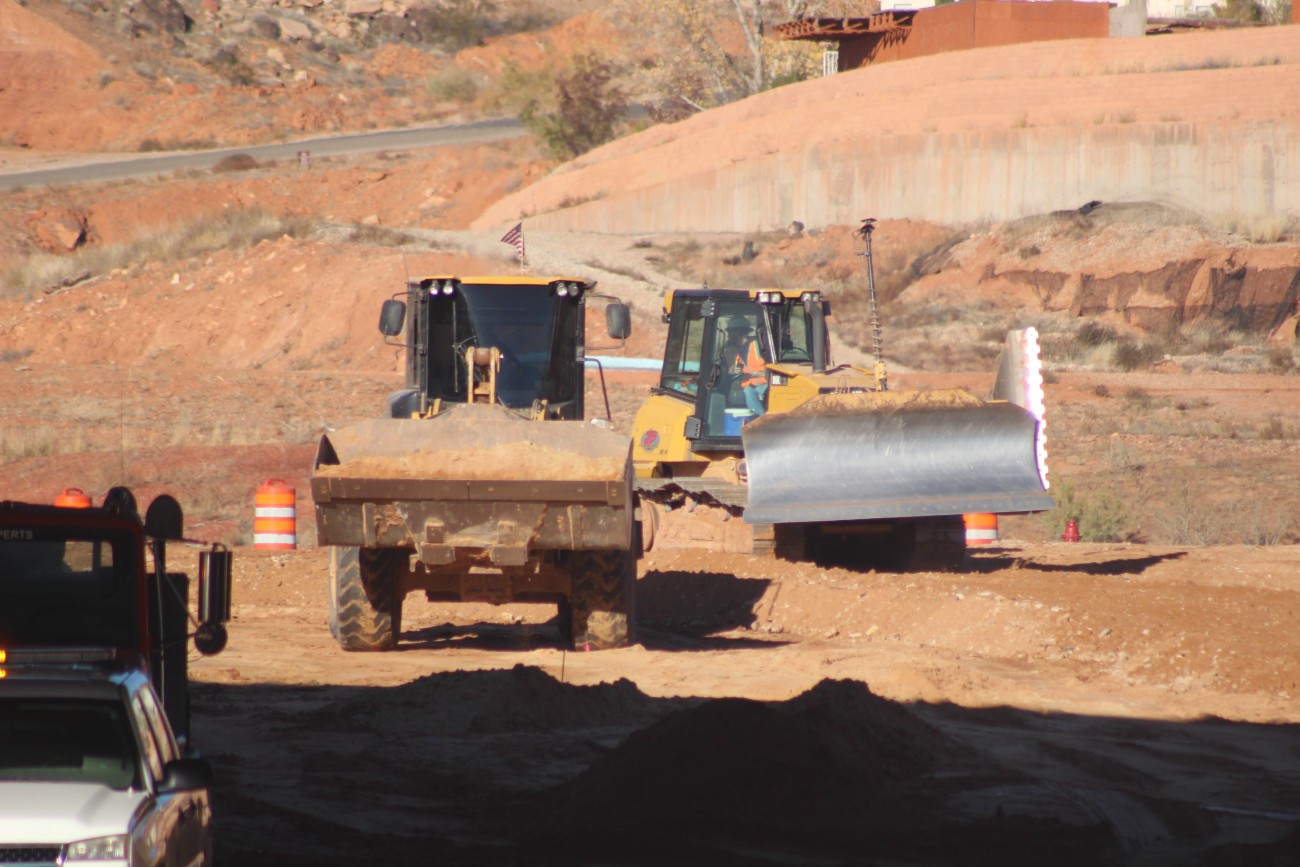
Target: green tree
point(588, 108)
point(1240, 10)
point(711, 52)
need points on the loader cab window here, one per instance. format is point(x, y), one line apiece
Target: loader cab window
point(681, 370)
point(537, 333)
point(56, 589)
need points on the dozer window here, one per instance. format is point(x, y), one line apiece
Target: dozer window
point(681, 371)
point(793, 332)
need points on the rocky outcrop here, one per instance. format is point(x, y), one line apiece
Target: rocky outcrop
point(1126, 265)
point(57, 229)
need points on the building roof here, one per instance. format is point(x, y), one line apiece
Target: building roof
point(818, 29)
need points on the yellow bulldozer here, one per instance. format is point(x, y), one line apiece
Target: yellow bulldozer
point(483, 482)
point(754, 440)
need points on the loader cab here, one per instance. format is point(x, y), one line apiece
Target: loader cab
point(537, 325)
point(707, 327)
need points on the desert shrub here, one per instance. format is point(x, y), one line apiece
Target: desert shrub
point(452, 85)
point(1281, 359)
point(461, 23)
point(1188, 516)
point(588, 108)
point(380, 236)
point(518, 88)
point(1092, 334)
point(1261, 523)
point(1101, 516)
point(1132, 355)
point(1137, 397)
point(1273, 429)
point(227, 63)
point(235, 163)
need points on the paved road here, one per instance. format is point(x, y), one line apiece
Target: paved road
point(339, 145)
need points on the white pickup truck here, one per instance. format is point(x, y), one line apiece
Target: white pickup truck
point(91, 772)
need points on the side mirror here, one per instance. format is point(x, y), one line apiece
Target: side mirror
point(391, 317)
point(164, 518)
point(214, 601)
point(618, 321)
point(186, 775)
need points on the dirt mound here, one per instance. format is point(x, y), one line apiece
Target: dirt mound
point(521, 699)
point(828, 762)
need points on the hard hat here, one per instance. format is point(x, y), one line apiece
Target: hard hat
point(737, 323)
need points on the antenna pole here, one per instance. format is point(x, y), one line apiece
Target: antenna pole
point(869, 226)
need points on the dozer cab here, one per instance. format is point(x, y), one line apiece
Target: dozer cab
point(823, 461)
point(483, 483)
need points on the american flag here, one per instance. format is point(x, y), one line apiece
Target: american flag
point(515, 236)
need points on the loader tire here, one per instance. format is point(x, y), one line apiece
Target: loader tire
point(601, 610)
point(365, 607)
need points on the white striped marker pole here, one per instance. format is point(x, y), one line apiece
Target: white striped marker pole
point(275, 517)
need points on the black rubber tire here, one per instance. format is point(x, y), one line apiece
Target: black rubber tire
point(602, 606)
point(365, 607)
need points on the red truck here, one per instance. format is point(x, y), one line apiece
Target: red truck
point(81, 585)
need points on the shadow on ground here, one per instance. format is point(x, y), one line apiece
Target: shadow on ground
point(513, 767)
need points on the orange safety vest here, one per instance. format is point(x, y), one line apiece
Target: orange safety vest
point(755, 366)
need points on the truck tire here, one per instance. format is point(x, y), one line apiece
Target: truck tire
point(601, 609)
point(365, 608)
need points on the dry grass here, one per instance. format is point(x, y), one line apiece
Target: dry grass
point(229, 230)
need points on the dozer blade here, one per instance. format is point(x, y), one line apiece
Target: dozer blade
point(892, 455)
point(476, 477)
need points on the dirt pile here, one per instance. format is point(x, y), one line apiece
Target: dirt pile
point(828, 762)
point(520, 699)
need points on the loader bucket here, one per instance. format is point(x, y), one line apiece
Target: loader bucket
point(891, 455)
point(475, 478)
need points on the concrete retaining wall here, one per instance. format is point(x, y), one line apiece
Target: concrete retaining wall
point(1248, 170)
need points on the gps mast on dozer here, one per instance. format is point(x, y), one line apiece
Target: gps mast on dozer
point(838, 467)
point(76, 589)
point(483, 484)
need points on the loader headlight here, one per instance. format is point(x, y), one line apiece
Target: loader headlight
point(562, 289)
point(448, 287)
point(810, 297)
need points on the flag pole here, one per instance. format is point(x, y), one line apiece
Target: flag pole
point(515, 237)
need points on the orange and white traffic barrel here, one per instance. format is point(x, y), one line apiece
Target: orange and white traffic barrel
point(73, 498)
point(981, 528)
point(275, 517)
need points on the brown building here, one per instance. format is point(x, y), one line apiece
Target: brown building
point(901, 34)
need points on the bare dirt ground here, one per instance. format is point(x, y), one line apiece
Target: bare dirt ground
point(1128, 703)
point(1053, 703)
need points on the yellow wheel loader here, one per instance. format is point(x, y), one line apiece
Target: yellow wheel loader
point(751, 420)
point(483, 483)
